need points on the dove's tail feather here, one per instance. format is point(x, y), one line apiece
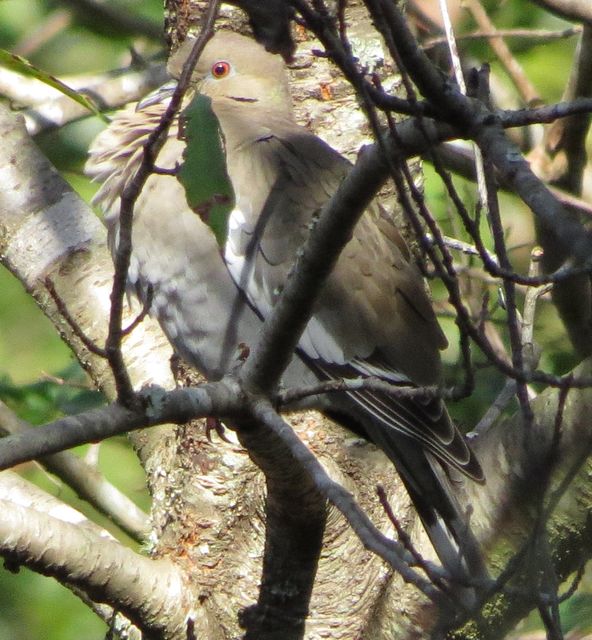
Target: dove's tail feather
point(447, 527)
point(430, 484)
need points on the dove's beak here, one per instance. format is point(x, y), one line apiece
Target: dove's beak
point(162, 94)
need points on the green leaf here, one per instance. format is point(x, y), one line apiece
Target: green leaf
point(46, 400)
point(203, 172)
point(24, 67)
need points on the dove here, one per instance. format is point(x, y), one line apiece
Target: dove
point(373, 317)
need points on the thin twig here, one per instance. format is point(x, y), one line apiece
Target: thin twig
point(540, 35)
point(421, 394)
point(513, 68)
point(497, 229)
point(531, 299)
point(494, 410)
point(71, 322)
point(143, 313)
point(406, 541)
point(129, 196)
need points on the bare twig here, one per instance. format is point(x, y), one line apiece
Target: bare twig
point(292, 396)
point(533, 294)
point(509, 290)
point(513, 68)
point(530, 356)
point(494, 410)
point(143, 313)
point(71, 322)
point(541, 115)
point(128, 197)
point(537, 36)
point(403, 536)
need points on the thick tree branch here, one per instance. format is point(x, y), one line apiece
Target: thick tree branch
point(18, 491)
point(155, 407)
point(295, 519)
point(565, 140)
point(516, 468)
point(88, 482)
point(576, 10)
point(282, 330)
point(108, 572)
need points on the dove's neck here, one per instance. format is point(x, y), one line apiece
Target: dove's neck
point(245, 120)
point(250, 144)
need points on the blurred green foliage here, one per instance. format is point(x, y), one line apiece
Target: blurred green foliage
point(22, 325)
point(66, 393)
point(35, 607)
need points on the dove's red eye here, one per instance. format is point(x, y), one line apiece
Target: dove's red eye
point(220, 69)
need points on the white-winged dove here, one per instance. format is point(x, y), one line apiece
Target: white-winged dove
point(175, 254)
point(373, 318)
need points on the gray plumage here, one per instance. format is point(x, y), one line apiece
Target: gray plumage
point(174, 253)
point(373, 317)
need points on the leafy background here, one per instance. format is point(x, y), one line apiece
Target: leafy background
point(39, 377)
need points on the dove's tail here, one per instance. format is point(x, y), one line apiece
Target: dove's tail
point(431, 489)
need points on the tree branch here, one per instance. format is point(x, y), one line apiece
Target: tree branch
point(88, 482)
point(576, 10)
point(108, 93)
point(155, 406)
point(76, 556)
point(389, 550)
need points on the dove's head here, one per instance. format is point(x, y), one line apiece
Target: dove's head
point(234, 68)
